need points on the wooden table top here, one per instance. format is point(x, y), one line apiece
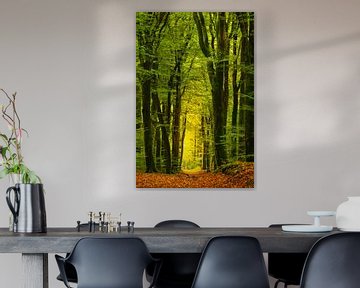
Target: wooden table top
point(158, 240)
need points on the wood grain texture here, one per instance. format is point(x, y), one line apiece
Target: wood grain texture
point(158, 240)
point(35, 270)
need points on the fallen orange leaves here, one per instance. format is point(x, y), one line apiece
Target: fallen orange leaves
point(243, 177)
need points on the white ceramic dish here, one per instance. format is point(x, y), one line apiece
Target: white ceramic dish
point(306, 228)
point(321, 213)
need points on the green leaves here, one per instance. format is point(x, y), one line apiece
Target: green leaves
point(4, 173)
point(11, 159)
point(27, 175)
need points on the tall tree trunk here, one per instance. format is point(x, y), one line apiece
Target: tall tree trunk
point(149, 38)
point(183, 140)
point(249, 129)
point(247, 86)
point(169, 99)
point(158, 148)
point(218, 75)
point(206, 150)
point(234, 115)
point(243, 117)
point(177, 112)
point(220, 95)
point(180, 57)
point(148, 133)
point(164, 133)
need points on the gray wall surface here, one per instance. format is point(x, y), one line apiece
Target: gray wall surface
point(73, 66)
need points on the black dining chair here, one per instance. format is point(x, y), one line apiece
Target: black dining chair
point(232, 262)
point(69, 269)
point(333, 262)
point(178, 269)
point(285, 267)
point(108, 263)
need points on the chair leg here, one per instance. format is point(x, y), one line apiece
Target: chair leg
point(278, 282)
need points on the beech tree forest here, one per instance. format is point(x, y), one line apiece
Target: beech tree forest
point(195, 99)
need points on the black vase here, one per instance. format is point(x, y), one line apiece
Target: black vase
point(28, 208)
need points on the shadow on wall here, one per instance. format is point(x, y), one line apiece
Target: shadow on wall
point(326, 44)
point(307, 115)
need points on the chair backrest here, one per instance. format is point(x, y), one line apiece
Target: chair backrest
point(178, 269)
point(232, 262)
point(333, 262)
point(287, 267)
point(176, 224)
point(110, 262)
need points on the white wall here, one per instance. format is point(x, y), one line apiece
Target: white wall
point(73, 66)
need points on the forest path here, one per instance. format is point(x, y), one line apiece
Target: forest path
point(196, 179)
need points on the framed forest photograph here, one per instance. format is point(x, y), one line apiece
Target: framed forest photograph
point(195, 100)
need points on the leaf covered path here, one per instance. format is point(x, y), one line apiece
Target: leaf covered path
point(201, 179)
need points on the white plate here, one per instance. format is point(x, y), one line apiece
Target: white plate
point(306, 228)
point(321, 213)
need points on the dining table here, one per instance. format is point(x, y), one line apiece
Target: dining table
point(35, 247)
